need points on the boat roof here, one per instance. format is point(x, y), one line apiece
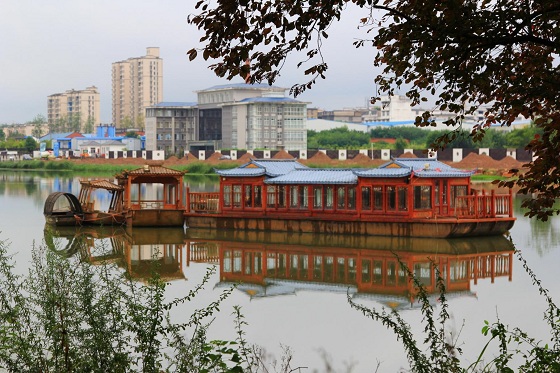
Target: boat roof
point(100, 184)
point(316, 176)
point(152, 170)
point(289, 171)
point(268, 167)
point(419, 167)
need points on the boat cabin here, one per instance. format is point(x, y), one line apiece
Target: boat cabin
point(153, 196)
point(401, 188)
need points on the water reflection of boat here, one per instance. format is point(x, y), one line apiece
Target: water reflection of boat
point(138, 250)
point(267, 263)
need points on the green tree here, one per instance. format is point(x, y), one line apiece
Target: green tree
point(30, 144)
point(89, 125)
point(75, 122)
point(132, 134)
point(126, 122)
point(499, 54)
point(38, 122)
point(401, 143)
point(139, 122)
point(2, 135)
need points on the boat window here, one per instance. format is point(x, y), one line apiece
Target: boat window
point(227, 195)
point(237, 258)
point(282, 196)
point(352, 198)
point(436, 193)
point(171, 196)
point(457, 191)
point(377, 198)
point(366, 198)
point(237, 196)
point(377, 272)
point(257, 189)
point(341, 200)
point(294, 196)
point(423, 272)
point(444, 194)
point(227, 261)
point(248, 196)
point(270, 196)
point(329, 197)
point(391, 274)
point(303, 197)
point(403, 198)
point(391, 198)
point(317, 197)
point(422, 197)
point(366, 270)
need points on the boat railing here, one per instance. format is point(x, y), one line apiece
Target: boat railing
point(484, 205)
point(148, 204)
point(203, 202)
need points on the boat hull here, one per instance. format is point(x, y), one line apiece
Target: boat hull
point(441, 228)
point(155, 218)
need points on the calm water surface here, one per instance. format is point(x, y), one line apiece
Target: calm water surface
point(294, 287)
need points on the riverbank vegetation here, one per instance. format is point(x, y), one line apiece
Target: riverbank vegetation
point(67, 315)
point(406, 137)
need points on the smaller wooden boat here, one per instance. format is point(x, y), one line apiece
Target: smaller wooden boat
point(114, 215)
point(65, 209)
point(62, 209)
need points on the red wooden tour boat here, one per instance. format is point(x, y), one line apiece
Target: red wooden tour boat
point(418, 197)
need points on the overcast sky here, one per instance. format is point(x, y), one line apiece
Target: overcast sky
point(49, 47)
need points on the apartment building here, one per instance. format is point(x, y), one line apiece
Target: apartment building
point(171, 126)
point(136, 84)
point(233, 116)
point(74, 106)
point(390, 108)
point(252, 116)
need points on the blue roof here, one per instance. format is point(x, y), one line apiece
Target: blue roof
point(289, 171)
point(269, 99)
point(174, 104)
point(316, 176)
point(389, 123)
point(269, 167)
point(52, 136)
point(238, 171)
point(241, 85)
point(421, 167)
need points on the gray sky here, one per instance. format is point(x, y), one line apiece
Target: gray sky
point(49, 47)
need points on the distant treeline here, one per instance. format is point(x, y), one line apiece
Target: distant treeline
point(416, 138)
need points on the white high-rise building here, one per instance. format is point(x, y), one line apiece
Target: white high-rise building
point(137, 84)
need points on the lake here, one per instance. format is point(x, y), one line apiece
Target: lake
point(294, 288)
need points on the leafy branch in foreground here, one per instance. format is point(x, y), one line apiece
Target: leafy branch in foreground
point(68, 315)
point(442, 353)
